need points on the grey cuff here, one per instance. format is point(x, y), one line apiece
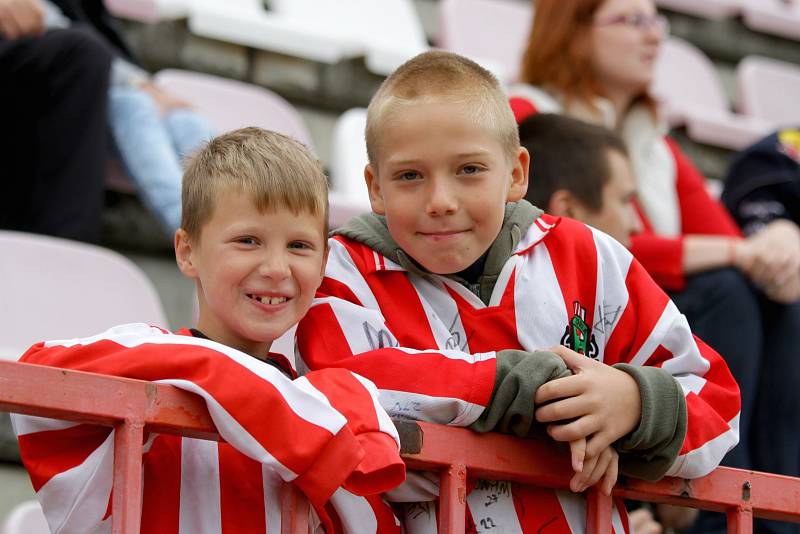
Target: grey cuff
point(519, 375)
point(650, 450)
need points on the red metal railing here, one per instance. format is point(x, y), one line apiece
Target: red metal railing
point(133, 407)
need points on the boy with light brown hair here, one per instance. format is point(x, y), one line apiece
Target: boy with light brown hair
point(253, 238)
point(467, 306)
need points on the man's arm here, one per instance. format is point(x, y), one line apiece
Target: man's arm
point(21, 18)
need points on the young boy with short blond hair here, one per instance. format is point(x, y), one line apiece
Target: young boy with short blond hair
point(468, 306)
point(253, 238)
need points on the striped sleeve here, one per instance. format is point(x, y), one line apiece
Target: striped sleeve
point(347, 327)
point(652, 332)
point(238, 390)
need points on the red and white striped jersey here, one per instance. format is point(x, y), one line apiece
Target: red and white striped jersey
point(324, 432)
point(429, 344)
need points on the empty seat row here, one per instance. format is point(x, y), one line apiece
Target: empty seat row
point(777, 17)
point(689, 87)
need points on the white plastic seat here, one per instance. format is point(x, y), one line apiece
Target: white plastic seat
point(59, 289)
point(708, 9)
point(349, 195)
point(688, 86)
point(26, 518)
point(304, 28)
point(230, 104)
point(492, 32)
point(773, 16)
point(149, 11)
point(769, 90)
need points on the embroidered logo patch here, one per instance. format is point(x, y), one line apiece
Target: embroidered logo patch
point(578, 335)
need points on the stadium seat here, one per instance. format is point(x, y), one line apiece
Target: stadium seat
point(708, 9)
point(348, 158)
point(768, 89)
point(230, 104)
point(26, 518)
point(58, 289)
point(691, 93)
point(149, 11)
point(299, 28)
point(492, 32)
point(776, 17)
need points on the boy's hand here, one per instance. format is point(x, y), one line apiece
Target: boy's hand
point(602, 403)
point(590, 469)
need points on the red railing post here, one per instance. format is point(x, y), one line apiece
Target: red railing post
point(598, 512)
point(740, 520)
point(453, 500)
point(294, 511)
point(126, 514)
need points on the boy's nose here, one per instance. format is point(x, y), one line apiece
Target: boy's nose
point(442, 198)
point(274, 265)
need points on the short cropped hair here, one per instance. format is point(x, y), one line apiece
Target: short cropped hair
point(439, 74)
point(569, 154)
point(273, 169)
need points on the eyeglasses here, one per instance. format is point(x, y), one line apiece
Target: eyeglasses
point(638, 21)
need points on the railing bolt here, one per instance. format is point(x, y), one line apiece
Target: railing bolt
point(746, 491)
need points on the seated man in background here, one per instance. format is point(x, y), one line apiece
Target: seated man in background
point(53, 90)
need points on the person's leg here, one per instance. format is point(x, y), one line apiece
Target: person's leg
point(53, 90)
point(147, 153)
point(723, 310)
point(188, 130)
point(775, 433)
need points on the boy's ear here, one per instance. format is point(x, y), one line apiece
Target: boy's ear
point(374, 189)
point(519, 175)
point(183, 253)
point(561, 203)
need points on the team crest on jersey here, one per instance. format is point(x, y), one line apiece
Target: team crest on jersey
point(578, 335)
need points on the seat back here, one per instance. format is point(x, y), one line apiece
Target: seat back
point(494, 30)
point(26, 518)
point(685, 80)
point(230, 104)
point(349, 195)
point(768, 89)
point(53, 288)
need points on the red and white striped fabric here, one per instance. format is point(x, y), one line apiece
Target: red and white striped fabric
point(429, 344)
point(325, 432)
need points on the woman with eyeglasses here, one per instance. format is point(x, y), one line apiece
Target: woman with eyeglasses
point(594, 60)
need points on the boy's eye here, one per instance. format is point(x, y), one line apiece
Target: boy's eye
point(408, 176)
point(471, 169)
point(300, 245)
point(247, 240)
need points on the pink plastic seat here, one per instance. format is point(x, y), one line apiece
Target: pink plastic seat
point(230, 104)
point(773, 16)
point(691, 93)
point(493, 31)
point(59, 289)
point(26, 518)
point(708, 9)
point(769, 90)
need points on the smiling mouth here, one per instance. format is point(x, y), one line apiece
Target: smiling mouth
point(265, 299)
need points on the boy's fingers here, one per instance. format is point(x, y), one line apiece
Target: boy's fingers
point(562, 409)
point(573, 360)
point(610, 478)
point(579, 429)
point(569, 386)
point(577, 450)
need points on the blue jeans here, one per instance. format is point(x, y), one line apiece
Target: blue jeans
point(151, 148)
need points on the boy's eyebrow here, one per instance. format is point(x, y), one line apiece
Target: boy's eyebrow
point(460, 155)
